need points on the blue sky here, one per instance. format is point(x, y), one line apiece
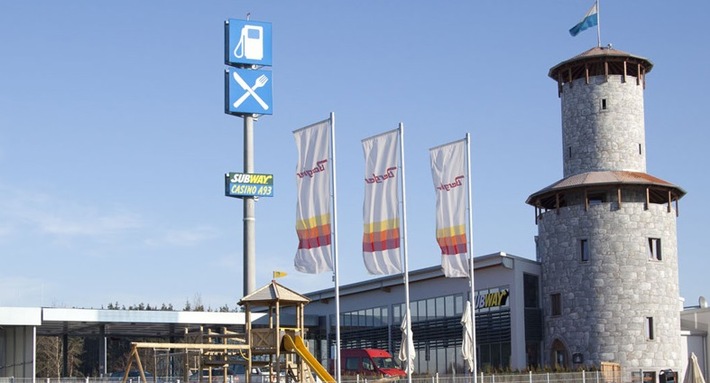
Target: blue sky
point(113, 140)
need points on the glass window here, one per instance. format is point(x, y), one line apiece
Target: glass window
point(421, 310)
point(459, 304)
point(369, 318)
point(505, 350)
point(430, 309)
point(531, 291)
point(440, 311)
point(450, 360)
point(352, 364)
point(496, 361)
point(649, 328)
point(584, 250)
point(449, 306)
point(440, 359)
point(484, 352)
point(654, 248)
point(556, 304)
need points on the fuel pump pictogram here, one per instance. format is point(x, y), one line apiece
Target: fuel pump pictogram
point(251, 43)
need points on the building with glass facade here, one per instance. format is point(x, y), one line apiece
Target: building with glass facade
point(507, 305)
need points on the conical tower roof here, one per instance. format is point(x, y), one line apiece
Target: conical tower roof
point(273, 292)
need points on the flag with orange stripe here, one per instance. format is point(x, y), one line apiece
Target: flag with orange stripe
point(313, 184)
point(448, 170)
point(381, 233)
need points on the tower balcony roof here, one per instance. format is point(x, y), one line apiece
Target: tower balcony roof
point(600, 61)
point(658, 188)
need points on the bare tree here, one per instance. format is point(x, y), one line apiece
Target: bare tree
point(50, 356)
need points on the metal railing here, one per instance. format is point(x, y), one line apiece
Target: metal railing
point(545, 377)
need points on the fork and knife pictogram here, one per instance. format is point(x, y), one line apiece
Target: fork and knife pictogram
point(258, 83)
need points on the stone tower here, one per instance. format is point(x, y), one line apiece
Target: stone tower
point(607, 230)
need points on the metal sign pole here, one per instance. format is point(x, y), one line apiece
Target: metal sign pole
point(249, 216)
point(248, 94)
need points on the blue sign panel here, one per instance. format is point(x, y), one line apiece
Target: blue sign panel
point(248, 92)
point(247, 42)
point(248, 185)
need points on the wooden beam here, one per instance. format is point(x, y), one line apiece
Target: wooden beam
point(536, 214)
point(648, 199)
point(623, 78)
point(618, 189)
point(191, 346)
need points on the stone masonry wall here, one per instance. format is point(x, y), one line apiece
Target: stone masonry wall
point(606, 300)
point(598, 139)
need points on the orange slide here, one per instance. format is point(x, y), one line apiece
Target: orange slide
point(296, 345)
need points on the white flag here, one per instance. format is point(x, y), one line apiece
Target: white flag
point(448, 171)
point(313, 220)
point(381, 234)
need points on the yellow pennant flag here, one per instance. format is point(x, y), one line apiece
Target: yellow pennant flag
point(279, 274)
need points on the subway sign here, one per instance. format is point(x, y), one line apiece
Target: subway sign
point(491, 299)
point(239, 185)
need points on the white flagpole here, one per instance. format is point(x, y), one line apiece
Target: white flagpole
point(470, 250)
point(336, 366)
point(404, 246)
point(599, 26)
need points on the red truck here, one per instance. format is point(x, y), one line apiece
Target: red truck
point(369, 362)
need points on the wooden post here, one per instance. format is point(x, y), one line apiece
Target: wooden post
point(618, 190)
point(648, 199)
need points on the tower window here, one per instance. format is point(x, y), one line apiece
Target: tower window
point(584, 250)
point(654, 249)
point(649, 328)
point(640, 152)
point(569, 152)
point(604, 104)
point(556, 304)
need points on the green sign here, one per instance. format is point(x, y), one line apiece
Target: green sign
point(248, 185)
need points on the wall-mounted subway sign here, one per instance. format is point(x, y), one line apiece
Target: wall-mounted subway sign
point(248, 185)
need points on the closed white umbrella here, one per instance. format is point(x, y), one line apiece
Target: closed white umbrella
point(467, 344)
point(692, 372)
point(406, 349)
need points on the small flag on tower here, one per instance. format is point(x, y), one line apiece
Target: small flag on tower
point(591, 19)
point(279, 274)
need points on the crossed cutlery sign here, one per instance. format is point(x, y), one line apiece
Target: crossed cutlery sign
point(258, 83)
